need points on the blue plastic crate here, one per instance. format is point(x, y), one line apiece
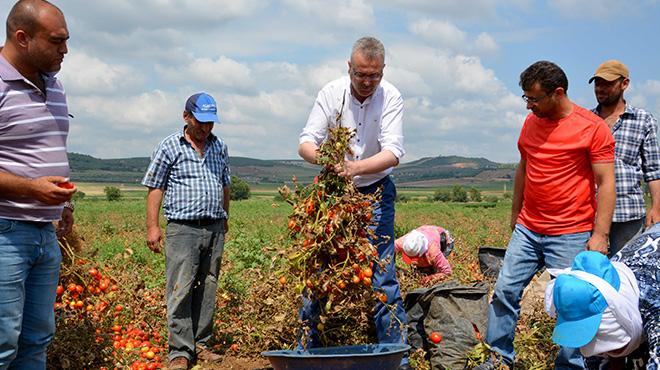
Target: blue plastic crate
point(359, 357)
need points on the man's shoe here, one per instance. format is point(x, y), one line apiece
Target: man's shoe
point(405, 367)
point(179, 363)
point(205, 354)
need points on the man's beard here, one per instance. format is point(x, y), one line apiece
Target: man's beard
point(610, 100)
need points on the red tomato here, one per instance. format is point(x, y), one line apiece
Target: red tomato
point(66, 185)
point(435, 337)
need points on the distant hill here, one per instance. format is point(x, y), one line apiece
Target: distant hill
point(430, 171)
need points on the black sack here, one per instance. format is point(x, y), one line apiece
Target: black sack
point(449, 309)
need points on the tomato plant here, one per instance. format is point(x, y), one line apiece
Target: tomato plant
point(330, 236)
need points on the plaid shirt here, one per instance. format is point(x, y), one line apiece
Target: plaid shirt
point(636, 156)
point(193, 185)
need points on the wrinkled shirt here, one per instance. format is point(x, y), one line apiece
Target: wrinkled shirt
point(34, 126)
point(378, 122)
point(193, 185)
point(637, 157)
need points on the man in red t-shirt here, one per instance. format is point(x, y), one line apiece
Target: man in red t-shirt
point(563, 200)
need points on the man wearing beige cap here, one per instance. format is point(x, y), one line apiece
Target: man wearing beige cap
point(636, 153)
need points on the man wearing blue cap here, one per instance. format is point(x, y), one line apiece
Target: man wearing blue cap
point(190, 168)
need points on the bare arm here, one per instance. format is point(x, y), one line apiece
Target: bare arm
point(65, 226)
point(154, 234)
point(307, 151)
point(605, 202)
point(374, 164)
point(653, 215)
point(43, 189)
point(518, 190)
point(226, 197)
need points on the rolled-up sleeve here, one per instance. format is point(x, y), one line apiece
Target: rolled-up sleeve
point(391, 134)
point(158, 170)
point(650, 151)
point(316, 128)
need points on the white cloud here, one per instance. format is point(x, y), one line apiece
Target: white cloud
point(454, 105)
point(83, 74)
point(647, 95)
point(132, 64)
point(444, 34)
point(141, 113)
point(219, 73)
point(450, 9)
point(485, 44)
point(449, 75)
point(126, 15)
point(346, 13)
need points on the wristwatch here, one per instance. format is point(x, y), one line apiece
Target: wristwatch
point(69, 205)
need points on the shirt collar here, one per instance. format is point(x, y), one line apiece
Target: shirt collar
point(9, 73)
point(182, 136)
point(628, 109)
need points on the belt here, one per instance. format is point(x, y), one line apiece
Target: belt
point(198, 222)
point(38, 224)
point(375, 184)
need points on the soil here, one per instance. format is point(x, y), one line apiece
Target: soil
point(236, 363)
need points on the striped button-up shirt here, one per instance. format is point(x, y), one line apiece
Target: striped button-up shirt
point(33, 132)
point(193, 185)
point(637, 157)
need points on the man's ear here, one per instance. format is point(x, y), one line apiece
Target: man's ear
point(625, 83)
point(22, 38)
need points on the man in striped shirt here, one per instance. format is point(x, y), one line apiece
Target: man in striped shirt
point(190, 169)
point(637, 155)
point(33, 161)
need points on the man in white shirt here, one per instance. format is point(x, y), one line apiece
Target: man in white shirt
point(374, 109)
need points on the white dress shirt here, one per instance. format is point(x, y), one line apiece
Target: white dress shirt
point(378, 122)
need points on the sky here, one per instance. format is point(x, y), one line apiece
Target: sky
point(132, 64)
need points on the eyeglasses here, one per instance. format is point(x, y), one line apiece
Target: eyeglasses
point(364, 76)
point(529, 99)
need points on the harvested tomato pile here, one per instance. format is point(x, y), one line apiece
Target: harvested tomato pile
point(90, 308)
point(330, 256)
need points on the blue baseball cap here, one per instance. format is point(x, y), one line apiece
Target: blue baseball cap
point(579, 304)
point(203, 107)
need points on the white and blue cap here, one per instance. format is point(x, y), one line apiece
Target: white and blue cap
point(203, 107)
point(579, 304)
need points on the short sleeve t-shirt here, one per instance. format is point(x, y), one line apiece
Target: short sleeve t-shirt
point(560, 189)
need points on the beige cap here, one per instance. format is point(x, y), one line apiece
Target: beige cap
point(610, 70)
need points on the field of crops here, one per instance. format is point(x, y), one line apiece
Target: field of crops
point(124, 323)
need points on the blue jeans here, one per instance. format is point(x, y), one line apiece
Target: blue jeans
point(29, 270)
point(192, 266)
point(387, 329)
point(526, 254)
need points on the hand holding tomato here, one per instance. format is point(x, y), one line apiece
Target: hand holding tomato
point(66, 185)
point(47, 189)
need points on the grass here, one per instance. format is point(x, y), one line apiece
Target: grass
point(114, 238)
